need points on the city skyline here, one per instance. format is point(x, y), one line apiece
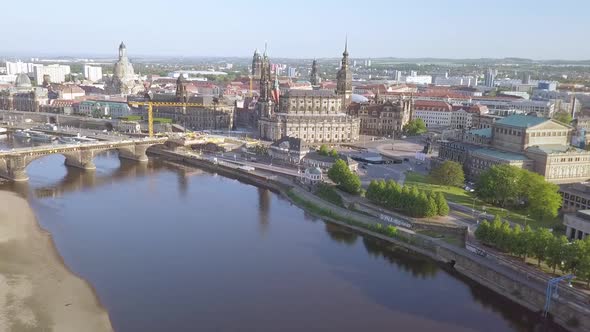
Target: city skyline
point(430, 29)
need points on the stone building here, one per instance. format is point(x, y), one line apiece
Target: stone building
point(538, 144)
point(123, 81)
point(316, 116)
point(23, 96)
point(577, 225)
point(256, 69)
point(382, 118)
point(211, 115)
point(576, 196)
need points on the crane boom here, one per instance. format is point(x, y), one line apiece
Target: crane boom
point(151, 104)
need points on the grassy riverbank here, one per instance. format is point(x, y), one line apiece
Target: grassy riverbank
point(37, 291)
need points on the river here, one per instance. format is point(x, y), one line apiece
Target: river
point(170, 248)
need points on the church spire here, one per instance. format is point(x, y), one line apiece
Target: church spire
point(345, 54)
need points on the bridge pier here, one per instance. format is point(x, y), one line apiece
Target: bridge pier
point(136, 152)
point(15, 169)
point(83, 159)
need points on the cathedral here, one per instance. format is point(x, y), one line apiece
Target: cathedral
point(315, 116)
point(124, 81)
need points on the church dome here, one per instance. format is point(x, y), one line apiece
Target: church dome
point(359, 99)
point(22, 81)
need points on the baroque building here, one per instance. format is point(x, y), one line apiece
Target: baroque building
point(124, 81)
point(537, 144)
point(23, 96)
point(382, 118)
point(315, 116)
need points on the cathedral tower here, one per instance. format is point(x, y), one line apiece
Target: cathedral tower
point(344, 79)
point(314, 77)
point(256, 65)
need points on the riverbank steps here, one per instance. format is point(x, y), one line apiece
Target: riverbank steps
point(37, 291)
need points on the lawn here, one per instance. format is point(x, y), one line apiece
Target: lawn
point(460, 196)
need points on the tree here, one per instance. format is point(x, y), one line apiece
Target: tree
point(556, 251)
point(514, 245)
point(541, 242)
point(527, 239)
point(344, 177)
point(323, 150)
point(543, 198)
point(333, 153)
point(338, 171)
point(449, 173)
point(563, 117)
point(431, 207)
point(415, 127)
point(499, 184)
point(482, 233)
point(584, 266)
point(441, 203)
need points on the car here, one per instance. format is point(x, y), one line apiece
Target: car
point(406, 159)
point(404, 136)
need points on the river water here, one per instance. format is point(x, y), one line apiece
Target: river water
point(170, 248)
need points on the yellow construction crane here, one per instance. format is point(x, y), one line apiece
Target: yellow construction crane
point(151, 104)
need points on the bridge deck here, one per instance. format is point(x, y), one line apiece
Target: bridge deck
point(76, 146)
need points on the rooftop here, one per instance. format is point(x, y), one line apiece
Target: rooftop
point(522, 121)
point(555, 148)
point(485, 132)
point(310, 93)
point(508, 156)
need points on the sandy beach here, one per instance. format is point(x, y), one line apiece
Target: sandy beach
point(37, 291)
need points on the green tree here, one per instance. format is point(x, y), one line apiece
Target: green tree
point(441, 203)
point(556, 251)
point(344, 177)
point(333, 153)
point(563, 117)
point(323, 150)
point(499, 184)
point(482, 233)
point(514, 245)
point(431, 207)
point(504, 236)
point(584, 265)
point(449, 173)
point(543, 198)
point(541, 242)
point(415, 127)
point(573, 256)
point(527, 239)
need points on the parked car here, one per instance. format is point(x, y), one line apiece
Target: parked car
point(406, 159)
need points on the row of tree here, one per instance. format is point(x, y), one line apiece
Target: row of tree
point(542, 244)
point(346, 179)
point(507, 185)
point(407, 199)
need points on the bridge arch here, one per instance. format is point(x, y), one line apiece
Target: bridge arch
point(13, 163)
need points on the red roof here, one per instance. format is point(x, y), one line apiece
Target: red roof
point(432, 105)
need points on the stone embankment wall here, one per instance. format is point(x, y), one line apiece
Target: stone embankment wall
point(572, 313)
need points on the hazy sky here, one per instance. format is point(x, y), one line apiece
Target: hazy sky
point(539, 29)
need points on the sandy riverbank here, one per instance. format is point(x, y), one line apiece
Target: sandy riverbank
point(37, 291)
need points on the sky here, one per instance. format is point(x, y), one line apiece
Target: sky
point(536, 29)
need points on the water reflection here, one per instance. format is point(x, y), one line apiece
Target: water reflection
point(409, 262)
point(210, 266)
point(263, 208)
point(340, 234)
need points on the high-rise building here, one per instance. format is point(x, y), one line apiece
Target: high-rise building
point(292, 72)
point(56, 73)
point(93, 73)
point(344, 79)
point(489, 78)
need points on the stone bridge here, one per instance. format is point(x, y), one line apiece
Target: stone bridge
point(13, 163)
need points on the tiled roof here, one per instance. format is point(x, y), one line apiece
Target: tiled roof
point(310, 93)
point(432, 104)
point(522, 121)
point(508, 156)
